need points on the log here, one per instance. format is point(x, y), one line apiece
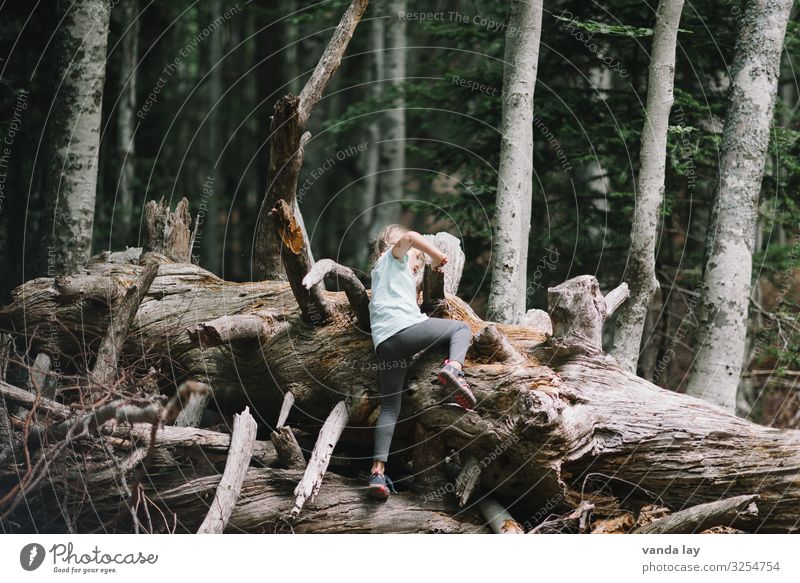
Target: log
point(6, 435)
point(167, 232)
point(105, 368)
point(467, 479)
point(287, 138)
point(289, 453)
point(435, 284)
point(732, 512)
point(340, 507)
point(296, 264)
point(286, 407)
point(498, 518)
point(490, 345)
point(433, 296)
point(191, 414)
point(227, 329)
point(241, 450)
point(178, 493)
point(537, 320)
point(12, 394)
point(578, 309)
point(353, 288)
point(88, 288)
point(329, 435)
point(550, 429)
point(454, 268)
point(183, 441)
point(6, 349)
point(39, 380)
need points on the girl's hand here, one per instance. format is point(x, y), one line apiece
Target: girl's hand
point(439, 266)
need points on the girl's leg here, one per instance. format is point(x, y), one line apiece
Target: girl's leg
point(392, 359)
point(392, 376)
point(435, 332)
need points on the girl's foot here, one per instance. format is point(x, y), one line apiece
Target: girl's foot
point(380, 486)
point(452, 376)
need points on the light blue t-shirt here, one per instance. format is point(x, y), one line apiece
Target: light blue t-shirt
point(393, 305)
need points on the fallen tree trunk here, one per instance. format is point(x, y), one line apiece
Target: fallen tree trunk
point(184, 475)
point(563, 426)
point(731, 512)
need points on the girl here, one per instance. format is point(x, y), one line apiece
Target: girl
point(400, 330)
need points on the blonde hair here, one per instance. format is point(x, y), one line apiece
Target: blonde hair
point(388, 236)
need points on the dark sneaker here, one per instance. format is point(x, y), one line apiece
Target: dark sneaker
point(453, 379)
point(380, 486)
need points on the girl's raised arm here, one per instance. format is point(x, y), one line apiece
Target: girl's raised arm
point(414, 239)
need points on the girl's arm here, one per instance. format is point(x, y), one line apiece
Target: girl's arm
point(417, 241)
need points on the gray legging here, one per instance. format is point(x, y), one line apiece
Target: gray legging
point(393, 354)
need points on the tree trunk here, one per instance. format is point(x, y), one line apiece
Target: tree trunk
point(373, 158)
point(725, 300)
point(391, 179)
point(507, 293)
point(557, 421)
point(211, 250)
point(74, 133)
point(640, 272)
point(126, 111)
point(288, 137)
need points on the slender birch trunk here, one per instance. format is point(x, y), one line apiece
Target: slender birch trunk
point(373, 157)
point(727, 274)
point(393, 147)
point(74, 132)
point(509, 256)
point(640, 273)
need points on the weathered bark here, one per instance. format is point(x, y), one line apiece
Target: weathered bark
point(567, 425)
point(391, 179)
point(166, 231)
point(738, 511)
point(295, 256)
point(74, 133)
point(105, 368)
point(38, 381)
point(329, 435)
point(241, 450)
point(288, 450)
point(287, 138)
point(454, 269)
point(183, 476)
point(723, 308)
point(6, 436)
point(12, 394)
point(353, 288)
point(507, 294)
point(128, 22)
point(640, 271)
point(578, 310)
